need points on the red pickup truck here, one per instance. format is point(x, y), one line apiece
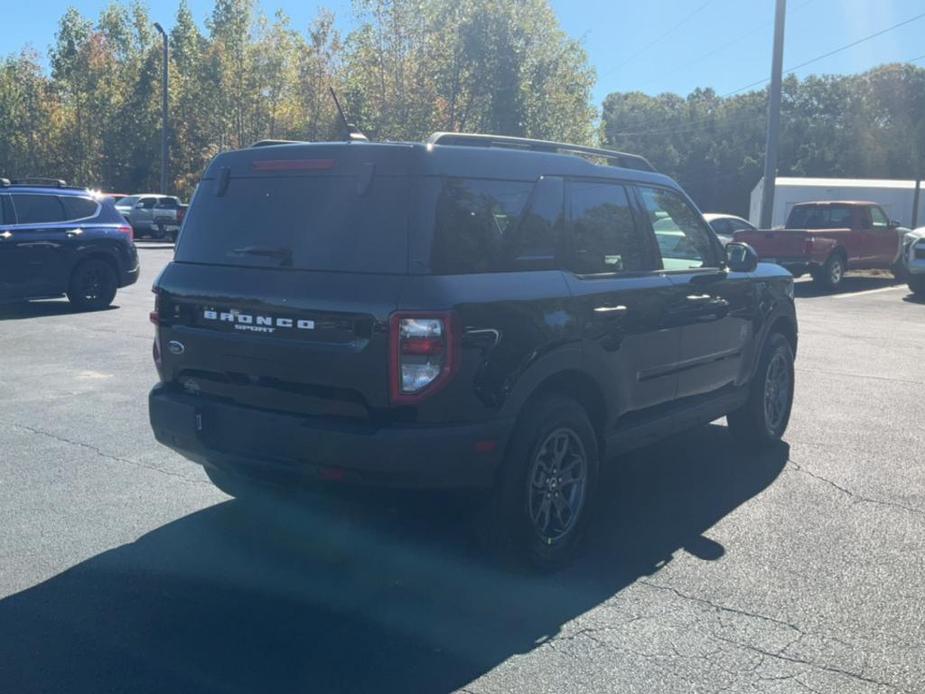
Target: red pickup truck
point(827, 238)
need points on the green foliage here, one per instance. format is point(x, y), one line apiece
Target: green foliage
point(859, 126)
point(409, 68)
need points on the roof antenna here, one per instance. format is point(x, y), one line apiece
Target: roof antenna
point(351, 131)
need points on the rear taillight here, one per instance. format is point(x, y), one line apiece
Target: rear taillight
point(422, 354)
point(181, 213)
point(127, 230)
point(808, 245)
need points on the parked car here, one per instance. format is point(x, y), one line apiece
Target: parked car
point(168, 218)
point(141, 211)
point(473, 312)
point(913, 255)
point(725, 225)
point(57, 240)
point(826, 239)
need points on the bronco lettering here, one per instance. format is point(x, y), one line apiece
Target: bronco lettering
point(261, 324)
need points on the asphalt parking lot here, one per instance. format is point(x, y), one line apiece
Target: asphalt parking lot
point(802, 569)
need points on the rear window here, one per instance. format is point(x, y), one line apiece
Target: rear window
point(820, 217)
point(330, 223)
point(79, 208)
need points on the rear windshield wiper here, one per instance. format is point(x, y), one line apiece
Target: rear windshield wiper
point(284, 254)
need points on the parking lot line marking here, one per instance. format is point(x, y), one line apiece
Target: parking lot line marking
point(869, 291)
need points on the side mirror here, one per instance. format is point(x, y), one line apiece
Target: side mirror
point(139, 204)
point(895, 223)
point(740, 257)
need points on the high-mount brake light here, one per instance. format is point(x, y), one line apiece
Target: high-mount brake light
point(292, 164)
point(422, 354)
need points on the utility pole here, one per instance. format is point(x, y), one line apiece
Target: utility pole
point(915, 203)
point(164, 84)
point(770, 150)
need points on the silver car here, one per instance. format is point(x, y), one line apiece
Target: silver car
point(913, 257)
point(142, 211)
point(725, 225)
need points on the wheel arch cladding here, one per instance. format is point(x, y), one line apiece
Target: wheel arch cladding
point(786, 327)
point(580, 387)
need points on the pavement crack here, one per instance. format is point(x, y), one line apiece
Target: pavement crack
point(722, 608)
point(809, 663)
point(858, 498)
point(102, 454)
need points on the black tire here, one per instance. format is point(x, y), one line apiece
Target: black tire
point(763, 419)
point(899, 271)
point(831, 274)
point(532, 480)
point(917, 284)
point(92, 285)
point(158, 233)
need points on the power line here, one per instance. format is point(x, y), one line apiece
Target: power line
point(744, 35)
point(700, 123)
point(659, 38)
point(830, 53)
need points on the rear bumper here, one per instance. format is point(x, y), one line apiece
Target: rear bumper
point(130, 276)
point(284, 449)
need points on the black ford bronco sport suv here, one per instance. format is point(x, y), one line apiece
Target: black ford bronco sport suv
point(56, 239)
point(475, 311)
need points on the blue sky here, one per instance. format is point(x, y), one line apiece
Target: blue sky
point(650, 45)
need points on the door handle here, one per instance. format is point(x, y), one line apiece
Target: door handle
point(71, 233)
point(610, 310)
point(698, 298)
point(6, 235)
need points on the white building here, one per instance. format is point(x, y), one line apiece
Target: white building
point(896, 197)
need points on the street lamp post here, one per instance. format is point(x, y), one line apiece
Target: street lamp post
point(164, 83)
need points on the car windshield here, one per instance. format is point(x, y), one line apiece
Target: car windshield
point(128, 201)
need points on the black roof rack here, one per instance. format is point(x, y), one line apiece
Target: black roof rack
point(40, 181)
point(270, 143)
point(622, 159)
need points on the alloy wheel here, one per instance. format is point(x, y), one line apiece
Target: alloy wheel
point(557, 485)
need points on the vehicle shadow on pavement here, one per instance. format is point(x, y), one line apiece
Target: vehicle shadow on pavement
point(849, 285)
point(43, 309)
point(352, 593)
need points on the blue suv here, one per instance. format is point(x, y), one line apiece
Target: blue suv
point(58, 240)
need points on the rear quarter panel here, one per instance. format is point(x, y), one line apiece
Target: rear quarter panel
point(509, 345)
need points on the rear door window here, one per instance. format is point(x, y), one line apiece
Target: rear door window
point(604, 236)
point(38, 209)
point(486, 225)
point(305, 222)
point(79, 208)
